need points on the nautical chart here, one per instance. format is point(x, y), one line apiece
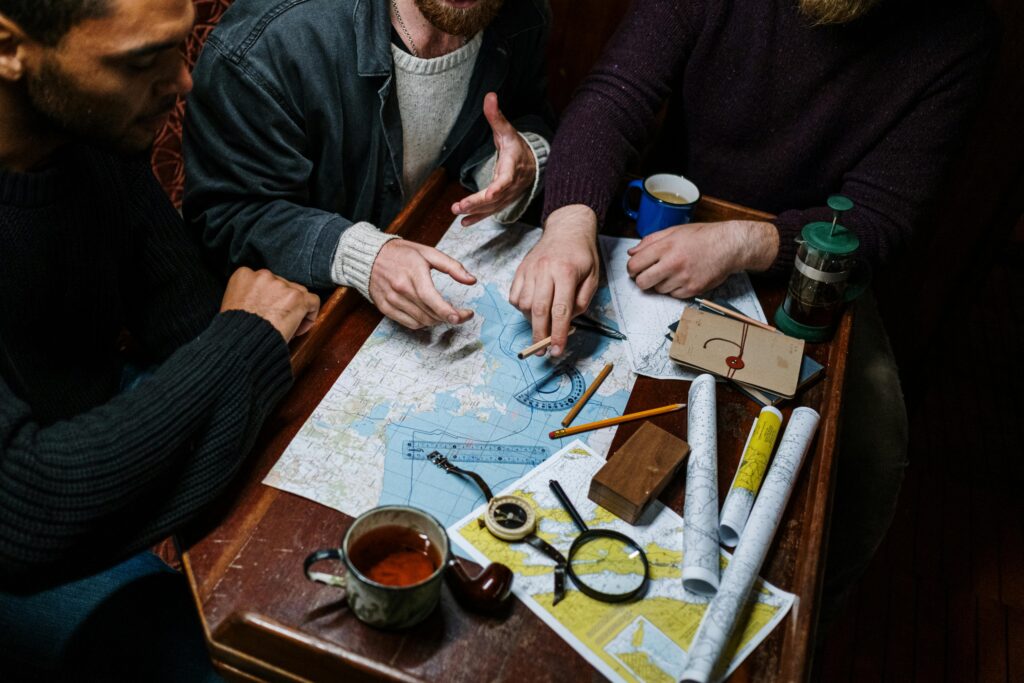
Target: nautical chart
point(458, 390)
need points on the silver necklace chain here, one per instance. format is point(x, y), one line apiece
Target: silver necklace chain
point(405, 30)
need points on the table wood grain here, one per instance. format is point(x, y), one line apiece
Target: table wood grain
point(264, 621)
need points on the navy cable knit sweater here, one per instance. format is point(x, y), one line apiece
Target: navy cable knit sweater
point(773, 113)
point(88, 247)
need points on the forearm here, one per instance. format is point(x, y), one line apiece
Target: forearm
point(114, 479)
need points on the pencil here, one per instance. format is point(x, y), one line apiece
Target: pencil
point(587, 394)
point(542, 344)
point(559, 433)
point(733, 314)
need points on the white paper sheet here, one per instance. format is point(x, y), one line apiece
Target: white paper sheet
point(644, 317)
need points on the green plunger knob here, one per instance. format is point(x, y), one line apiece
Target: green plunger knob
point(838, 203)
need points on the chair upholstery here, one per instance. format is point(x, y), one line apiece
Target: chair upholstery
point(167, 160)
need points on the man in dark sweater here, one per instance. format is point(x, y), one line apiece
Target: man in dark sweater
point(776, 104)
point(91, 474)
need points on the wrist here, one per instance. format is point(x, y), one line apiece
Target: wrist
point(757, 245)
point(572, 220)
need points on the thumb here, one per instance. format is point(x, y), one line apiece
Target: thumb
point(446, 264)
point(499, 124)
point(647, 241)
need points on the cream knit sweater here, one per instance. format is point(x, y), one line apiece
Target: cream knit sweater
point(426, 89)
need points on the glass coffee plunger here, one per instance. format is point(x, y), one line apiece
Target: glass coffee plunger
point(822, 279)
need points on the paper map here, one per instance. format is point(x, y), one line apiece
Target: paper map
point(700, 508)
point(739, 579)
point(644, 640)
point(645, 316)
point(460, 390)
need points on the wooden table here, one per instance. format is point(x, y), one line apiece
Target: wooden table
point(265, 621)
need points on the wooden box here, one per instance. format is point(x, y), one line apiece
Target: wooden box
point(636, 473)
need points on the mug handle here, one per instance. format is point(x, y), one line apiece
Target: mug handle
point(324, 577)
point(638, 183)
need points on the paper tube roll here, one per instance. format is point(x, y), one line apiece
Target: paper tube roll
point(700, 508)
point(749, 474)
point(723, 612)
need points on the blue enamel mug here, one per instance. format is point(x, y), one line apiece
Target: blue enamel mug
point(665, 200)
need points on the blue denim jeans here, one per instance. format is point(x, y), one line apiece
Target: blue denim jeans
point(133, 622)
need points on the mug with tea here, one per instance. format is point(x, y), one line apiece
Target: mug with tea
point(395, 558)
point(665, 200)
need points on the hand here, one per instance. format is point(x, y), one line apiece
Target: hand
point(687, 260)
point(401, 288)
point(557, 279)
point(514, 171)
point(289, 307)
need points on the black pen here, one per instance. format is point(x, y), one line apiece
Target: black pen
point(599, 327)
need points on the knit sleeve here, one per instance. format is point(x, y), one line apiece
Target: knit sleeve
point(893, 184)
point(614, 108)
point(172, 295)
point(79, 494)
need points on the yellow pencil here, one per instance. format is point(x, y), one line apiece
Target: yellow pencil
point(559, 433)
point(586, 395)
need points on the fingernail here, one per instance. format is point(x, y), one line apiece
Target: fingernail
point(556, 350)
point(453, 319)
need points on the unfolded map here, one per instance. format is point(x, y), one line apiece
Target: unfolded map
point(459, 390)
point(643, 640)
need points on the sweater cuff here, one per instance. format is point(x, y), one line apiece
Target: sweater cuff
point(540, 148)
point(353, 261)
point(570, 187)
point(259, 344)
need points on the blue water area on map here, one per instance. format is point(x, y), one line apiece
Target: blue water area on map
point(500, 420)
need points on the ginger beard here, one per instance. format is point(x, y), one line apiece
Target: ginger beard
point(460, 21)
point(822, 12)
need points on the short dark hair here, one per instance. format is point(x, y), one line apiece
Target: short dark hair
point(48, 20)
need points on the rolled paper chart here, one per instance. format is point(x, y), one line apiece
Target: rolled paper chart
point(722, 615)
point(747, 481)
point(700, 507)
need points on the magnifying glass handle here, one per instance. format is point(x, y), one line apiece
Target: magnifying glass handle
point(560, 563)
point(564, 500)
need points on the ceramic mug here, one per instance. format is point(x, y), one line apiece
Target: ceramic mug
point(665, 200)
point(395, 558)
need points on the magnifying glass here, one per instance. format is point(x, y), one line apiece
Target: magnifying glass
point(604, 564)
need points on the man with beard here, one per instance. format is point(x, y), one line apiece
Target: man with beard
point(92, 471)
point(776, 104)
point(313, 122)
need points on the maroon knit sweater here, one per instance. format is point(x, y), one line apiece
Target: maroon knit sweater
point(773, 113)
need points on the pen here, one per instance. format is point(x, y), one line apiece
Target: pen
point(589, 323)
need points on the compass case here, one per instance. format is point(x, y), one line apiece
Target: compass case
point(636, 473)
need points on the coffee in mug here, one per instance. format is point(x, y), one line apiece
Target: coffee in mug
point(395, 555)
point(395, 558)
point(665, 200)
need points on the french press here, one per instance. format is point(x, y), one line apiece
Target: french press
point(825, 277)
